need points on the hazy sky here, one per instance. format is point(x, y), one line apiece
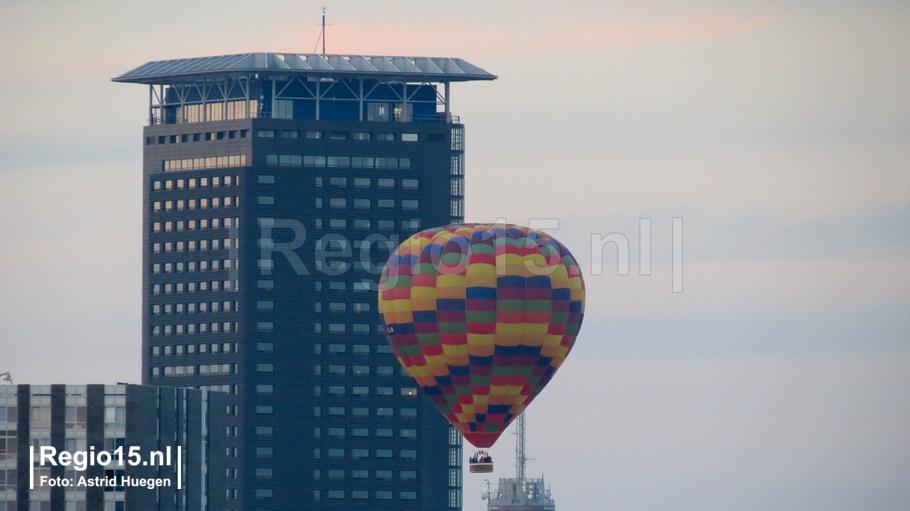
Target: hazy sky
point(778, 379)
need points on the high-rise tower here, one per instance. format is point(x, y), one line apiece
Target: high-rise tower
point(274, 187)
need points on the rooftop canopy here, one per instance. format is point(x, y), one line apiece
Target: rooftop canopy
point(423, 69)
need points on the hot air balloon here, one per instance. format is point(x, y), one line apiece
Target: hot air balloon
point(481, 316)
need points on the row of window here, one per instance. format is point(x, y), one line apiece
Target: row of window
point(192, 349)
point(192, 287)
point(191, 266)
point(356, 411)
point(340, 473)
point(191, 225)
point(214, 327)
point(343, 328)
point(335, 307)
point(193, 245)
point(342, 202)
point(218, 110)
point(197, 137)
point(362, 286)
point(196, 307)
point(193, 370)
point(360, 453)
point(356, 182)
point(204, 203)
point(192, 182)
point(344, 135)
point(364, 494)
point(360, 391)
point(356, 349)
point(412, 224)
point(206, 162)
point(340, 162)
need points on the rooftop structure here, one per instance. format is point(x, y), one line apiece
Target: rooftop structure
point(520, 493)
point(323, 87)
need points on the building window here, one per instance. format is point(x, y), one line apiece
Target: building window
point(457, 187)
point(457, 208)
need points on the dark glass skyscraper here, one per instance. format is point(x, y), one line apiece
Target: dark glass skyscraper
point(275, 186)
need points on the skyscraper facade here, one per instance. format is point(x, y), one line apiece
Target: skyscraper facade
point(166, 447)
point(275, 187)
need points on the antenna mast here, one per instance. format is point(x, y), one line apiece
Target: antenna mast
point(323, 30)
point(321, 34)
point(520, 458)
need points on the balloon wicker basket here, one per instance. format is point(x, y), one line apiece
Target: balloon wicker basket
point(481, 463)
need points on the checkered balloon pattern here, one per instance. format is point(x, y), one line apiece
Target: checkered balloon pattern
point(481, 316)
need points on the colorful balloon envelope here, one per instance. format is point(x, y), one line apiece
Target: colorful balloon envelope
point(481, 316)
